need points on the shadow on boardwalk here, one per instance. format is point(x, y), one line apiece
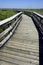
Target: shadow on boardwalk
point(40, 44)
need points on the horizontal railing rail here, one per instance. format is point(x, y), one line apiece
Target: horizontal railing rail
point(8, 27)
point(41, 16)
point(39, 20)
point(9, 19)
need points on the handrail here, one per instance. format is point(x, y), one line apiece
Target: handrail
point(9, 19)
point(38, 14)
point(11, 23)
point(39, 20)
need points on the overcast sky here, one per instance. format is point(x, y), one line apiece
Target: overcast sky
point(21, 3)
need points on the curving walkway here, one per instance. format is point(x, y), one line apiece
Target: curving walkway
point(23, 46)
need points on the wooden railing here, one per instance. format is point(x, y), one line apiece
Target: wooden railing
point(8, 27)
point(39, 20)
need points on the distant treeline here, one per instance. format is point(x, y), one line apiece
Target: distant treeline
point(5, 13)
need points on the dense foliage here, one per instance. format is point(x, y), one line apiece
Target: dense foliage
point(6, 13)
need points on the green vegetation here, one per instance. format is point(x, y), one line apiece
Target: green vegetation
point(40, 11)
point(5, 13)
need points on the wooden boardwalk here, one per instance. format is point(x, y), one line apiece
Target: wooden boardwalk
point(23, 46)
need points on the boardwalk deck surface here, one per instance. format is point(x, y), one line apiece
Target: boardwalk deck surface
point(23, 46)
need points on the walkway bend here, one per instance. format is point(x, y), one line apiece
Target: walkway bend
point(23, 46)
